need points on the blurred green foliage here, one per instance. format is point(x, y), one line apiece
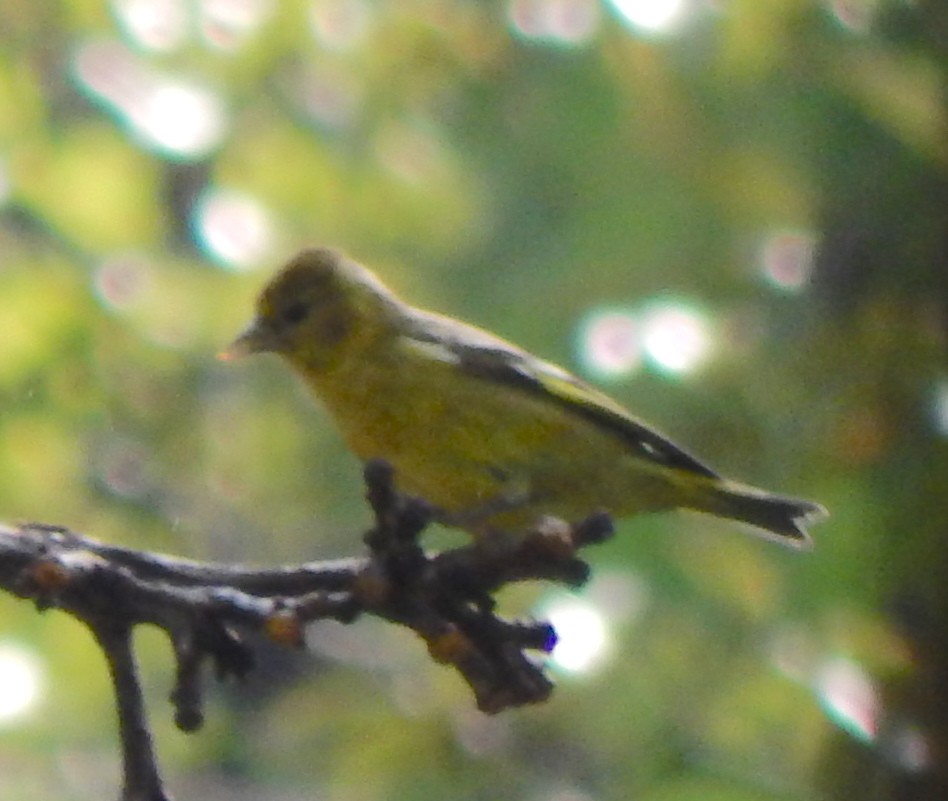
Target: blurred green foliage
point(779, 166)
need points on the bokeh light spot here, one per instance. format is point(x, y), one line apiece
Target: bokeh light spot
point(156, 25)
point(234, 228)
point(619, 595)
point(328, 97)
point(122, 467)
point(228, 24)
point(21, 681)
point(179, 118)
point(849, 698)
point(582, 635)
point(340, 25)
point(174, 117)
point(676, 338)
point(566, 22)
point(910, 749)
point(121, 281)
point(787, 259)
point(794, 653)
point(610, 343)
point(854, 15)
point(652, 16)
point(940, 407)
point(5, 184)
point(410, 152)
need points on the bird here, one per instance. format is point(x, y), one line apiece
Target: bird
point(491, 436)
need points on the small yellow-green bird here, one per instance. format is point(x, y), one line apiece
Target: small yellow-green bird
point(490, 435)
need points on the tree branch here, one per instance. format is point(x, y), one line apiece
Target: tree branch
point(446, 598)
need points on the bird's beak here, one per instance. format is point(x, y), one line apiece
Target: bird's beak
point(256, 338)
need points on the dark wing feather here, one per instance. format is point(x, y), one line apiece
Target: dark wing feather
point(481, 354)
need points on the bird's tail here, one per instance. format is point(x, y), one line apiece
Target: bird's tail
point(779, 518)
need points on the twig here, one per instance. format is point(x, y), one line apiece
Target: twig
point(141, 781)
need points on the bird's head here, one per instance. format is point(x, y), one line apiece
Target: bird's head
point(319, 302)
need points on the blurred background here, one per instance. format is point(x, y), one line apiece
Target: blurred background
point(731, 215)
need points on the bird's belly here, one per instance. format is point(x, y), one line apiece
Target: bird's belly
point(463, 452)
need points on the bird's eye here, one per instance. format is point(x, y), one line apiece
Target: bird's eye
point(295, 313)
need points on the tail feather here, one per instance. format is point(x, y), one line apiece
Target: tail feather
point(784, 518)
